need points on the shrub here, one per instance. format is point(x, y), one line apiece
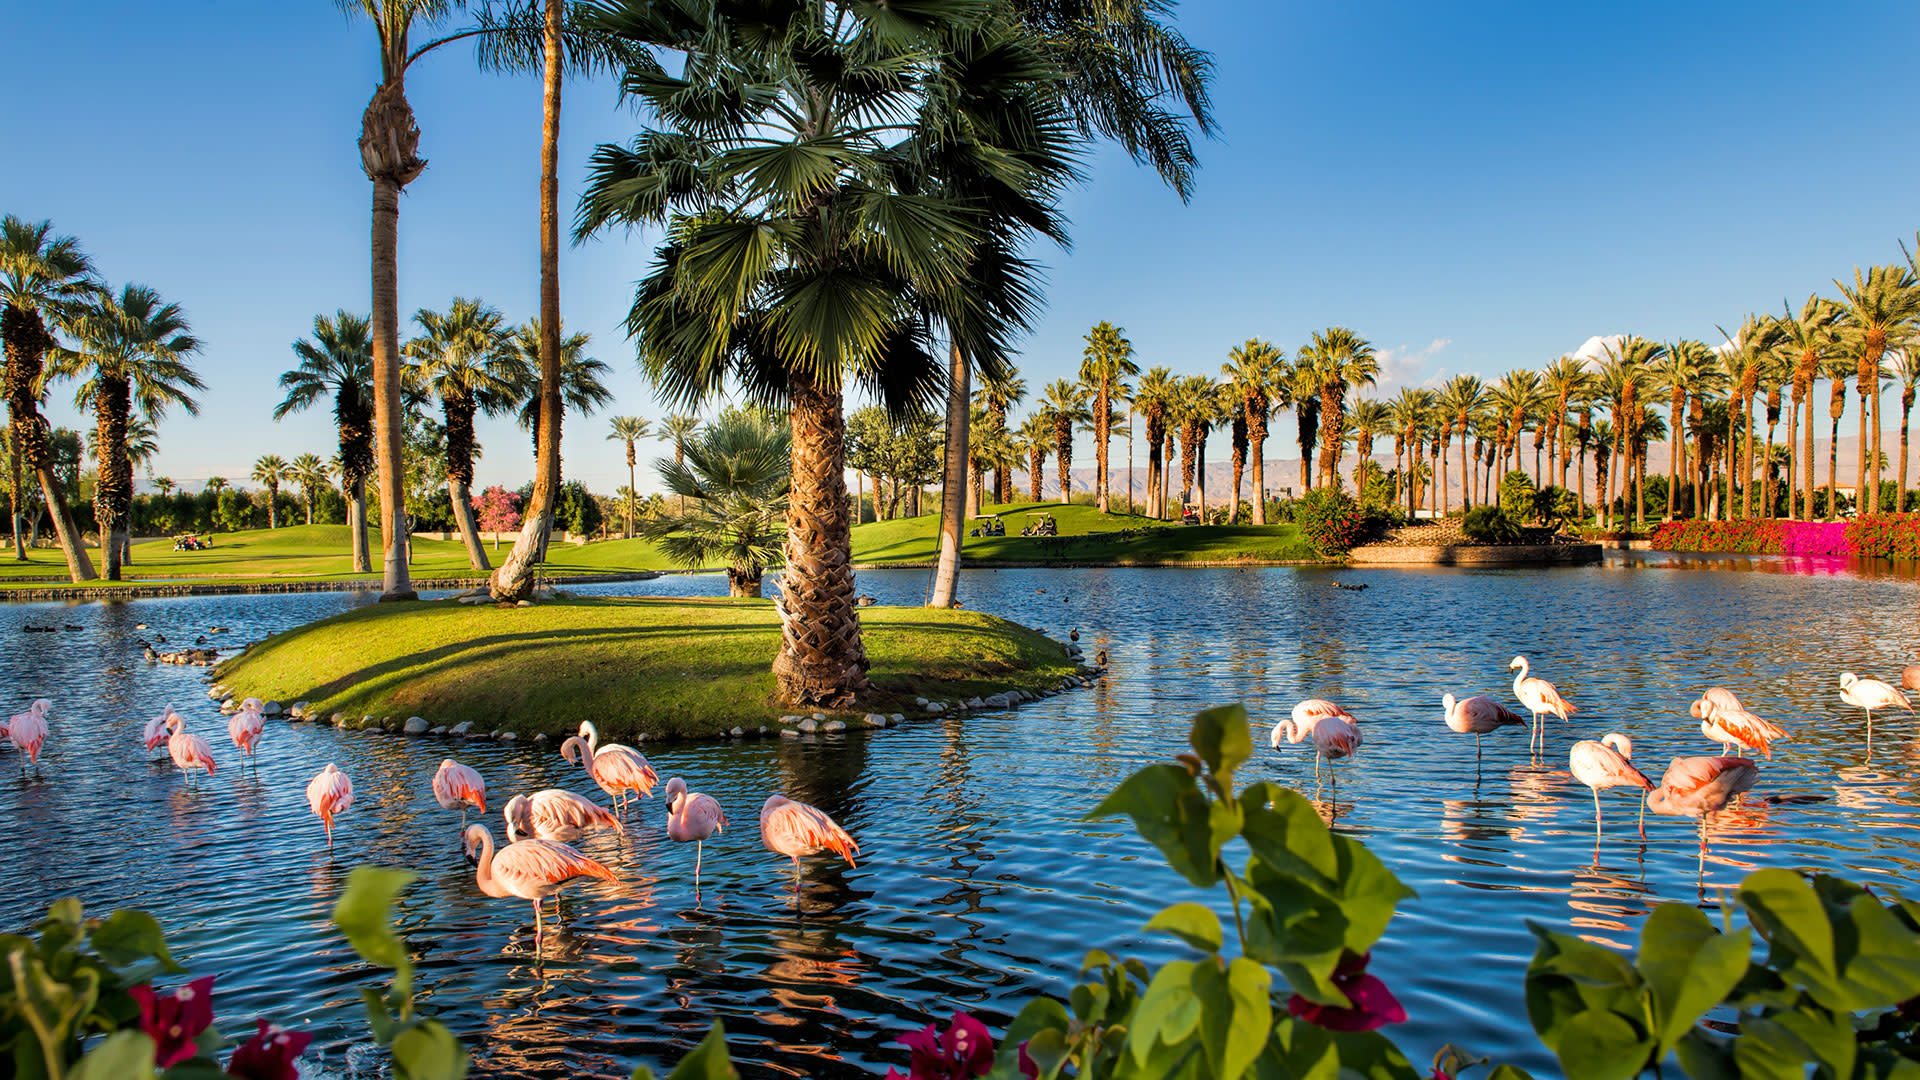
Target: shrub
point(1516, 494)
point(1490, 525)
point(1886, 536)
point(1330, 520)
point(1776, 537)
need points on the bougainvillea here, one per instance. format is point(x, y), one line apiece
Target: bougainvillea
point(1757, 537)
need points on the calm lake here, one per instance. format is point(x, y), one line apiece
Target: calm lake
point(979, 884)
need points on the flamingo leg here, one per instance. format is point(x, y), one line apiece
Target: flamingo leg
point(1596, 818)
point(699, 850)
point(1643, 819)
point(538, 929)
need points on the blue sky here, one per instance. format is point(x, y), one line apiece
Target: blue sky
point(1472, 186)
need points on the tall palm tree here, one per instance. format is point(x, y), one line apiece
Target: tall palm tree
point(1341, 360)
point(1625, 379)
point(1904, 366)
point(1200, 399)
point(1369, 420)
point(1302, 391)
point(1405, 413)
point(1685, 370)
point(1064, 405)
point(579, 380)
point(1837, 370)
point(271, 470)
point(1877, 310)
point(1108, 360)
point(130, 351)
point(42, 277)
point(999, 392)
point(462, 357)
point(1232, 408)
point(1459, 399)
point(1808, 337)
point(1565, 380)
point(1154, 399)
point(990, 447)
point(217, 484)
point(628, 430)
point(338, 363)
point(1255, 370)
point(735, 470)
point(310, 473)
point(678, 429)
point(1750, 349)
point(1775, 373)
point(1035, 439)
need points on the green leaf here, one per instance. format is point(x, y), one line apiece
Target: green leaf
point(1286, 832)
point(1514, 1072)
point(1373, 1056)
point(1195, 924)
point(1791, 917)
point(1368, 893)
point(1223, 740)
point(709, 1060)
point(1689, 966)
point(1766, 1050)
point(1298, 1050)
point(1169, 811)
point(123, 1055)
point(364, 913)
point(1042, 1024)
point(1882, 965)
point(1705, 1056)
point(426, 1050)
point(1297, 929)
point(1235, 1013)
point(127, 937)
point(1589, 1006)
point(1168, 1011)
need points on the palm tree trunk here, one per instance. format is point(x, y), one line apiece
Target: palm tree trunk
point(1129, 460)
point(1200, 472)
point(1793, 458)
point(1257, 445)
point(1239, 469)
point(387, 405)
point(1036, 471)
point(1746, 457)
point(953, 479)
point(1673, 455)
point(1466, 474)
point(1860, 473)
point(1766, 474)
point(1906, 413)
point(1809, 466)
point(357, 525)
point(744, 582)
point(1102, 431)
point(822, 660)
point(1833, 468)
point(514, 580)
point(469, 529)
point(1873, 455)
point(79, 566)
point(13, 501)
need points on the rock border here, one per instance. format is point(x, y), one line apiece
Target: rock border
point(1477, 555)
point(156, 589)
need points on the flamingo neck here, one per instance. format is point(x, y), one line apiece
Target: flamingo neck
point(483, 870)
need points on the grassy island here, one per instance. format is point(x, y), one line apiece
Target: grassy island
point(1087, 538)
point(652, 667)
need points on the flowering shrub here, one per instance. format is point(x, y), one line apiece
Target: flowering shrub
point(498, 510)
point(1772, 537)
point(1330, 519)
point(1886, 536)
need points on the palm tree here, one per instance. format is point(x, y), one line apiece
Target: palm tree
point(166, 485)
point(1370, 420)
point(1302, 391)
point(1684, 371)
point(1626, 378)
point(581, 388)
point(1254, 371)
point(1750, 350)
point(678, 429)
point(338, 362)
point(1904, 366)
point(310, 473)
point(1064, 406)
point(999, 392)
point(42, 276)
point(1108, 361)
point(629, 430)
point(217, 484)
point(1459, 399)
point(1341, 359)
point(735, 471)
point(1200, 400)
point(989, 447)
point(1807, 338)
point(1154, 400)
point(1035, 438)
point(1775, 372)
point(1875, 311)
point(1565, 380)
point(1837, 371)
point(463, 358)
point(131, 351)
point(271, 469)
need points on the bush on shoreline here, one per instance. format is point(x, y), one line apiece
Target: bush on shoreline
point(1883, 536)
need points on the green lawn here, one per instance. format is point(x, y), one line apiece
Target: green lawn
point(320, 552)
point(1086, 536)
point(661, 667)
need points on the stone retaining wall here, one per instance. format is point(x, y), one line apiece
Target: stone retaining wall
point(149, 589)
point(1477, 555)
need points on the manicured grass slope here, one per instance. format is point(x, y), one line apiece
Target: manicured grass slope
point(1087, 536)
point(657, 666)
point(320, 552)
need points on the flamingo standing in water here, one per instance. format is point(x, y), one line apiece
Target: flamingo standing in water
point(330, 794)
point(1604, 764)
point(1869, 694)
point(1540, 697)
point(1699, 787)
point(554, 814)
point(692, 816)
point(1716, 697)
point(457, 787)
point(156, 732)
point(1910, 677)
point(245, 726)
point(189, 751)
point(1476, 716)
point(1335, 733)
point(794, 829)
point(619, 770)
point(529, 869)
point(27, 732)
point(1731, 727)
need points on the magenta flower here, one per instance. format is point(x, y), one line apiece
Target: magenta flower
point(176, 1021)
point(1373, 1004)
point(964, 1051)
point(269, 1055)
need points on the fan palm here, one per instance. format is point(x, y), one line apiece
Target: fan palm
point(628, 430)
point(1369, 420)
point(1200, 403)
point(677, 429)
point(1254, 371)
point(735, 472)
point(338, 363)
point(310, 473)
point(1154, 400)
point(1876, 311)
point(1341, 360)
point(462, 357)
point(42, 277)
point(272, 470)
point(581, 388)
point(1108, 360)
point(1625, 379)
point(1808, 338)
point(130, 351)
point(1064, 405)
point(1684, 371)
point(1459, 399)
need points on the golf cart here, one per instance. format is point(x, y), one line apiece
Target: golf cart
point(1190, 513)
point(1045, 526)
point(990, 525)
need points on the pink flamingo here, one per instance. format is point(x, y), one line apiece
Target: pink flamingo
point(1699, 787)
point(1738, 727)
point(1540, 697)
point(189, 751)
point(155, 733)
point(330, 794)
point(28, 732)
point(1335, 735)
point(1870, 694)
point(456, 787)
point(794, 829)
point(1477, 716)
point(554, 814)
point(244, 728)
point(1604, 764)
point(1910, 677)
point(619, 770)
point(529, 869)
point(692, 816)
point(1716, 697)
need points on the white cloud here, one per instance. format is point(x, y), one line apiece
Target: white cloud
point(1594, 352)
point(1403, 365)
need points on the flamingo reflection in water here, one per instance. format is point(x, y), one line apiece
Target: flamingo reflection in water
point(529, 869)
point(1605, 764)
point(619, 770)
point(795, 829)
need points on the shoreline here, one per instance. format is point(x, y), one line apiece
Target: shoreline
point(154, 589)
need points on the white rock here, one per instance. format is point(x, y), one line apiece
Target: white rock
point(834, 725)
point(896, 718)
point(791, 719)
point(737, 733)
point(997, 701)
point(298, 709)
point(819, 716)
point(875, 720)
point(508, 736)
point(461, 728)
point(271, 708)
point(524, 603)
point(541, 738)
point(809, 725)
point(440, 729)
point(789, 733)
point(416, 726)
point(920, 701)
point(975, 703)
point(936, 708)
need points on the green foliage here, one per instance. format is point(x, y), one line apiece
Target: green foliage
point(1330, 520)
point(709, 1060)
point(71, 981)
point(1490, 525)
point(422, 1048)
point(576, 510)
point(1516, 494)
